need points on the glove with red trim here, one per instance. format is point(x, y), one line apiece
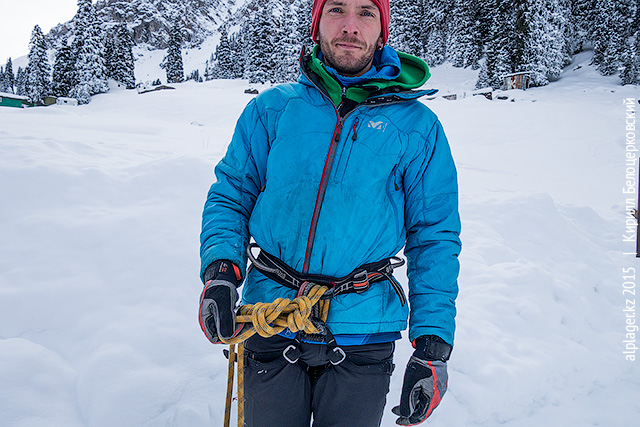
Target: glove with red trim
point(218, 301)
point(425, 380)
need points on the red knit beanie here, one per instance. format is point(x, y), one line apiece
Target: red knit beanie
point(383, 5)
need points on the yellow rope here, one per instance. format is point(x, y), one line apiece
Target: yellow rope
point(227, 408)
point(267, 320)
point(241, 385)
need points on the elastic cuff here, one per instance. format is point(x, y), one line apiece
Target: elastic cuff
point(432, 347)
point(223, 269)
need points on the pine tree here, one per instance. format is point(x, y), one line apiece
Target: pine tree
point(286, 50)
point(238, 54)
point(407, 31)
point(20, 82)
point(88, 46)
point(195, 76)
point(582, 15)
point(489, 75)
point(3, 81)
point(108, 55)
point(463, 47)
point(38, 83)
point(9, 77)
point(434, 22)
point(482, 31)
point(122, 67)
point(302, 35)
point(506, 40)
point(63, 70)
point(544, 41)
point(223, 65)
point(266, 64)
point(630, 73)
point(259, 45)
point(174, 67)
point(610, 33)
point(209, 72)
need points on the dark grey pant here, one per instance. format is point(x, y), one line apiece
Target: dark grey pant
point(282, 394)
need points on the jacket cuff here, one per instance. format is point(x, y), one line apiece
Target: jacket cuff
point(223, 269)
point(431, 347)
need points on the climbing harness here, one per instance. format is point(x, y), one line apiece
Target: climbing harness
point(305, 315)
point(358, 281)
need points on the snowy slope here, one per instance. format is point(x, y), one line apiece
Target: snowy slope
point(99, 227)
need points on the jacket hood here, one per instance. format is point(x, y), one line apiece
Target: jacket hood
point(412, 73)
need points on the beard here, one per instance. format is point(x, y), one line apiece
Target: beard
point(348, 63)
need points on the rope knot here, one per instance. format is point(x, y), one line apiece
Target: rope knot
point(269, 319)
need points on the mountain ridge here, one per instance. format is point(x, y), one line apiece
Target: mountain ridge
point(150, 20)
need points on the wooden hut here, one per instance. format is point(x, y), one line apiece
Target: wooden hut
point(519, 80)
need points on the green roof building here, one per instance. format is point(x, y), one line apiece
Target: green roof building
point(11, 100)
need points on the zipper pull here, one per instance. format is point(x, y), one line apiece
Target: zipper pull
point(339, 130)
point(355, 126)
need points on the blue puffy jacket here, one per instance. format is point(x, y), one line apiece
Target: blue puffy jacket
point(326, 194)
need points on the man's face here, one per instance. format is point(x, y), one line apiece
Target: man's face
point(349, 33)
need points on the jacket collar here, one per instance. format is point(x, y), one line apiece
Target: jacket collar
point(389, 76)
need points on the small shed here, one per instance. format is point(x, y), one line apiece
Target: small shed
point(12, 100)
point(49, 100)
point(520, 80)
point(67, 101)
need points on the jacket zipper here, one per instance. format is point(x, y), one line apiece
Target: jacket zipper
point(329, 163)
point(355, 129)
point(395, 178)
point(325, 179)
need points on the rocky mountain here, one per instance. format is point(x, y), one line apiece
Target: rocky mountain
point(150, 20)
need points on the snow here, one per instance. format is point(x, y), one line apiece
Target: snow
point(99, 262)
point(13, 96)
point(148, 59)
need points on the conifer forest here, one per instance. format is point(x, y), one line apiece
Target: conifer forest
point(261, 41)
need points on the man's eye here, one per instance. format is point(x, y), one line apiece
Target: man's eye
point(368, 14)
point(335, 9)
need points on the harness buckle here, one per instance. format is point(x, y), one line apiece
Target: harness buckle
point(361, 281)
point(294, 357)
point(337, 356)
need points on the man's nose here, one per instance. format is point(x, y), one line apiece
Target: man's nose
point(350, 24)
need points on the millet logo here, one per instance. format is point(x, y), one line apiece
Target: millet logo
point(377, 125)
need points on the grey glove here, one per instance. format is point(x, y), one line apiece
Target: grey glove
point(217, 314)
point(425, 380)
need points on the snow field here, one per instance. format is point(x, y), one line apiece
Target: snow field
point(99, 263)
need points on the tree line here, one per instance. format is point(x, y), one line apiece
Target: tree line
point(497, 37)
point(83, 62)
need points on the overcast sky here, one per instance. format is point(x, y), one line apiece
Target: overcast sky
point(20, 16)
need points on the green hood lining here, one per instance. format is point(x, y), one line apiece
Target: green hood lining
point(414, 72)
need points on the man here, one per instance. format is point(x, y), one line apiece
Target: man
point(333, 176)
